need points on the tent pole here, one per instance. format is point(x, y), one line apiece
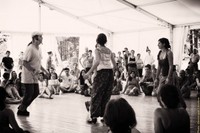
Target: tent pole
point(39, 15)
point(171, 32)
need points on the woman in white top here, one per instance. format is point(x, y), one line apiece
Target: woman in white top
point(103, 82)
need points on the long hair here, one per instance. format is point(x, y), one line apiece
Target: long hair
point(166, 42)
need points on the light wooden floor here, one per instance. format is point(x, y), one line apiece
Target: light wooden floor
point(67, 114)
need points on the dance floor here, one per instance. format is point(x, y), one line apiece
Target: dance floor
point(66, 113)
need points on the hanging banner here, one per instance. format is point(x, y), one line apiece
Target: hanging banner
point(68, 48)
point(4, 39)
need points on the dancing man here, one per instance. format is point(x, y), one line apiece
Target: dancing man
point(31, 67)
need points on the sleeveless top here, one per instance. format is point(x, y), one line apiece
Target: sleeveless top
point(105, 59)
point(164, 64)
point(131, 62)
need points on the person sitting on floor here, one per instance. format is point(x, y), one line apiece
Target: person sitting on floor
point(11, 87)
point(66, 80)
point(132, 85)
point(74, 83)
point(54, 84)
point(117, 83)
point(43, 87)
point(184, 83)
point(8, 123)
point(146, 83)
point(120, 117)
point(170, 118)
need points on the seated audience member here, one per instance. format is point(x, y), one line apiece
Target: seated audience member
point(146, 83)
point(117, 83)
point(132, 85)
point(20, 86)
point(170, 118)
point(11, 87)
point(175, 77)
point(43, 87)
point(154, 71)
point(51, 71)
point(8, 123)
point(197, 73)
point(66, 80)
point(5, 79)
point(184, 83)
point(74, 83)
point(81, 82)
point(76, 70)
point(84, 84)
point(54, 84)
point(120, 117)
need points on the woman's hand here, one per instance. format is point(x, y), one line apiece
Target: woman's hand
point(167, 81)
point(156, 82)
point(86, 76)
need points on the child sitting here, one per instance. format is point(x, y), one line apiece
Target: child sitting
point(132, 85)
point(54, 84)
point(43, 87)
point(117, 83)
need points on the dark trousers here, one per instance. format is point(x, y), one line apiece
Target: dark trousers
point(31, 92)
point(101, 92)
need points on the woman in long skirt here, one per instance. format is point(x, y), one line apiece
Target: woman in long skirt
point(103, 81)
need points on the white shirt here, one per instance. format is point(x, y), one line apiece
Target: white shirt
point(33, 57)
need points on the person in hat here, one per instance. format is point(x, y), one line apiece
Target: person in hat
point(31, 67)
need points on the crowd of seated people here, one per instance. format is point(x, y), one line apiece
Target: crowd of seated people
point(129, 79)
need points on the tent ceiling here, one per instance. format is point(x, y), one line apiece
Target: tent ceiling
point(93, 15)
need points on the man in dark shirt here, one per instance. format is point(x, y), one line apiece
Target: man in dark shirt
point(7, 63)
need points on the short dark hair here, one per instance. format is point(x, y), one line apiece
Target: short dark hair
point(66, 68)
point(169, 95)
point(148, 66)
point(165, 41)
point(101, 39)
point(41, 73)
point(119, 115)
point(7, 52)
point(90, 51)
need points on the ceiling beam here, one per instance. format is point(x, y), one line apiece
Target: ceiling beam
point(137, 8)
point(156, 3)
point(50, 6)
point(187, 24)
point(138, 30)
point(106, 12)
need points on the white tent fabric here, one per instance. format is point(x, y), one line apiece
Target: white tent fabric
point(78, 16)
point(128, 23)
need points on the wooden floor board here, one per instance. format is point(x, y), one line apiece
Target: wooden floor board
point(67, 114)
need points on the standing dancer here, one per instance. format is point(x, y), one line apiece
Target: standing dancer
point(103, 82)
point(31, 68)
point(164, 73)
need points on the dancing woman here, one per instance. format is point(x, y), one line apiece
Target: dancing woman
point(164, 73)
point(103, 82)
